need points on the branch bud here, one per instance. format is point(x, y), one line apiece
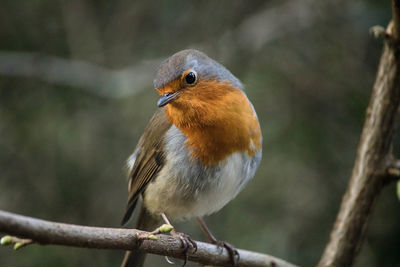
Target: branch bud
point(17, 245)
point(152, 237)
point(6, 240)
point(378, 32)
point(166, 228)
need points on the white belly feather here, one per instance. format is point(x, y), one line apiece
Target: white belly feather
point(184, 189)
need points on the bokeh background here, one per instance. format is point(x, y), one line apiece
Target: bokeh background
point(76, 93)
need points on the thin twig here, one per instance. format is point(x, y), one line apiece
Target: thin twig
point(52, 233)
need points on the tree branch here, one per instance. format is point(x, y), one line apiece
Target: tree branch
point(396, 19)
point(373, 157)
point(52, 233)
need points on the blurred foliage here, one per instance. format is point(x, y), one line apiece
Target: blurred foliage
point(62, 148)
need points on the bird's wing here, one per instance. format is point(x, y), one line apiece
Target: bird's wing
point(149, 159)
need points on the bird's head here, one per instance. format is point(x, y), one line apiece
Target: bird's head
point(192, 86)
point(188, 72)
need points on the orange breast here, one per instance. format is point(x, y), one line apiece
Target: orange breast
point(217, 120)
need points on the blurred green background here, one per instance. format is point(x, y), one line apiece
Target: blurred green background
point(76, 93)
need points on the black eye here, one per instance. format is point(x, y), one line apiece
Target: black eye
point(190, 78)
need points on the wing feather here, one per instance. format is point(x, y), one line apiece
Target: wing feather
point(149, 159)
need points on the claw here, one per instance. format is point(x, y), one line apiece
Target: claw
point(186, 243)
point(232, 251)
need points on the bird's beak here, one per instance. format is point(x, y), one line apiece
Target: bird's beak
point(167, 98)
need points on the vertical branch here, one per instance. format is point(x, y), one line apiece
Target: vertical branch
point(374, 155)
point(396, 19)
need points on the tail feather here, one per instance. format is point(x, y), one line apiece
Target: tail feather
point(128, 212)
point(146, 222)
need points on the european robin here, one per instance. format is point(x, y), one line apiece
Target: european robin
point(199, 149)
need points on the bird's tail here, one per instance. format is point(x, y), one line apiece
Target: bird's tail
point(146, 222)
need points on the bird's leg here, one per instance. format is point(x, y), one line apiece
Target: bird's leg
point(186, 241)
point(232, 251)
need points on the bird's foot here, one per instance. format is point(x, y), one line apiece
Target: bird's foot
point(186, 243)
point(232, 251)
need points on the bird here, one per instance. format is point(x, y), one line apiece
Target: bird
point(200, 148)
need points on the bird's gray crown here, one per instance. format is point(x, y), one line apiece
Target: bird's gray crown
point(206, 68)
